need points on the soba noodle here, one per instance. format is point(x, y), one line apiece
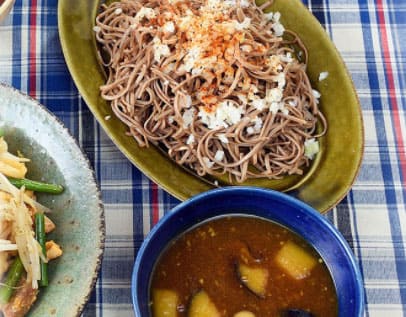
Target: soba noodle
point(212, 82)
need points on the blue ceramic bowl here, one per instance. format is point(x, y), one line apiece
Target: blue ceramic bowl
point(272, 205)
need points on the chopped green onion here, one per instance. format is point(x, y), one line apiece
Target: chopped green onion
point(40, 236)
point(11, 281)
point(36, 186)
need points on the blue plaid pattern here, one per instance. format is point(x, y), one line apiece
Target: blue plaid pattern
point(370, 35)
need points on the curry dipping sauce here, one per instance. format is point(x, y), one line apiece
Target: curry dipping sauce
point(241, 266)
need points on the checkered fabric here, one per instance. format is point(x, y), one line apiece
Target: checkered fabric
point(370, 35)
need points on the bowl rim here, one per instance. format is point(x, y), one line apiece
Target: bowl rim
point(277, 196)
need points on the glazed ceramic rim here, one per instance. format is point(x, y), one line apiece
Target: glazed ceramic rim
point(275, 195)
point(102, 224)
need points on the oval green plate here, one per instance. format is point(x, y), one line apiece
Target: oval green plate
point(323, 185)
point(78, 212)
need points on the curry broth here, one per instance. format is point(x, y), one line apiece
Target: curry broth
point(208, 257)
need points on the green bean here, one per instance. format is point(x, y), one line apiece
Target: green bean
point(36, 186)
point(11, 281)
point(40, 236)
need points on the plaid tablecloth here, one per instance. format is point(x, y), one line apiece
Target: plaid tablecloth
point(371, 36)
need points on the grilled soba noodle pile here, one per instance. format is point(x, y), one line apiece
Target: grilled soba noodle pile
point(217, 84)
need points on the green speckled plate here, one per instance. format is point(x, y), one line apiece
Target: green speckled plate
point(322, 186)
point(78, 213)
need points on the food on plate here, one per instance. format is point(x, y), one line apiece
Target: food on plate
point(221, 86)
point(24, 248)
point(233, 266)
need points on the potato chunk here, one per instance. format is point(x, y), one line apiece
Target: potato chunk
point(202, 306)
point(254, 278)
point(295, 261)
point(244, 313)
point(164, 303)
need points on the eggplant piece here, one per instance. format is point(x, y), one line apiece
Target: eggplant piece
point(297, 313)
point(254, 278)
point(164, 303)
point(244, 313)
point(202, 306)
point(250, 255)
point(295, 260)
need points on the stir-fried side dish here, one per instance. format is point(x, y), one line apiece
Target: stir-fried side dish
point(241, 266)
point(24, 249)
point(220, 85)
